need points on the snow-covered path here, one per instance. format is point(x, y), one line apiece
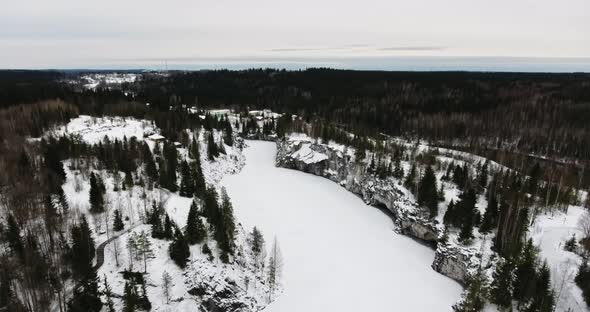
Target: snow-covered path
point(339, 254)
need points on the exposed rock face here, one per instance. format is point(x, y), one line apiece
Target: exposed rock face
point(337, 164)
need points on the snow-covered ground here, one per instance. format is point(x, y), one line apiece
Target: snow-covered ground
point(549, 233)
point(339, 254)
point(94, 129)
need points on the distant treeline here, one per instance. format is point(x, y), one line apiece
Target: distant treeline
point(544, 114)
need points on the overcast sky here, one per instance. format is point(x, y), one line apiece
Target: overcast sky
point(119, 33)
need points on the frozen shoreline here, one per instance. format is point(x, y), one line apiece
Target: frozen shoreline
point(340, 254)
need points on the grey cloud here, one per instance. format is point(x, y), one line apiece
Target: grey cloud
point(412, 48)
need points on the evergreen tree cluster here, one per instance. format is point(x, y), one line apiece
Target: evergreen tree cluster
point(135, 295)
point(97, 192)
point(583, 280)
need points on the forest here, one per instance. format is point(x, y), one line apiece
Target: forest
point(534, 124)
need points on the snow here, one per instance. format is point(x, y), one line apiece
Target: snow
point(91, 81)
point(339, 253)
point(309, 156)
point(549, 233)
point(94, 129)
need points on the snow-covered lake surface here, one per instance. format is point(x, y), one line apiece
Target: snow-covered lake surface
point(339, 254)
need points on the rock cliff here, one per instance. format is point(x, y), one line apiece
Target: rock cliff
point(337, 163)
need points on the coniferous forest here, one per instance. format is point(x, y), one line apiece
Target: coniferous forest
point(532, 132)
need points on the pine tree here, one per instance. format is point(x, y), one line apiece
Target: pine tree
point(96, 194)
point(144, 249)
point(427, 192)
point(118, 224)
point(195, 229)
point(179, 250)
point(187, 185)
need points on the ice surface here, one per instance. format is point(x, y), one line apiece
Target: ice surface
point(339, 253)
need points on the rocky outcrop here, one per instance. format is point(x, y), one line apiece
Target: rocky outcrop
point(337, 164)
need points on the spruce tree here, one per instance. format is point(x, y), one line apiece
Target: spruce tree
point(13, 237)
point(118, 224)
point(466, 232)
point(501, 288)
point(482, 177)
point(410, 182)
point(583, 279)
point(108, 293)
point(543, 298)
point(524, 282)
point(129, 298)
point(466, 212)
point(449, 217)
point(195, 229)
point(212, 149)
point(490, 217)
point(87, 297)
point(149, 163)
point(197, 174)
point(475, 297)
point(82, 251)
point(228, 134)
point(427, 192)
point(398, 170)
point(179, 250)
point(96, 194)
point(187, 185)
point(224, 230)
point(171, 155)
point(168, 228)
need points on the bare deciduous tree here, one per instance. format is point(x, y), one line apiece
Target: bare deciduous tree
point(166, 285)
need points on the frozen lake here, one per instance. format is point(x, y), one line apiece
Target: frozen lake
point(339, 254)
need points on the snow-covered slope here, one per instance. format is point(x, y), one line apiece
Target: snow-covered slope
point(204, 285)
point(549, 232)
